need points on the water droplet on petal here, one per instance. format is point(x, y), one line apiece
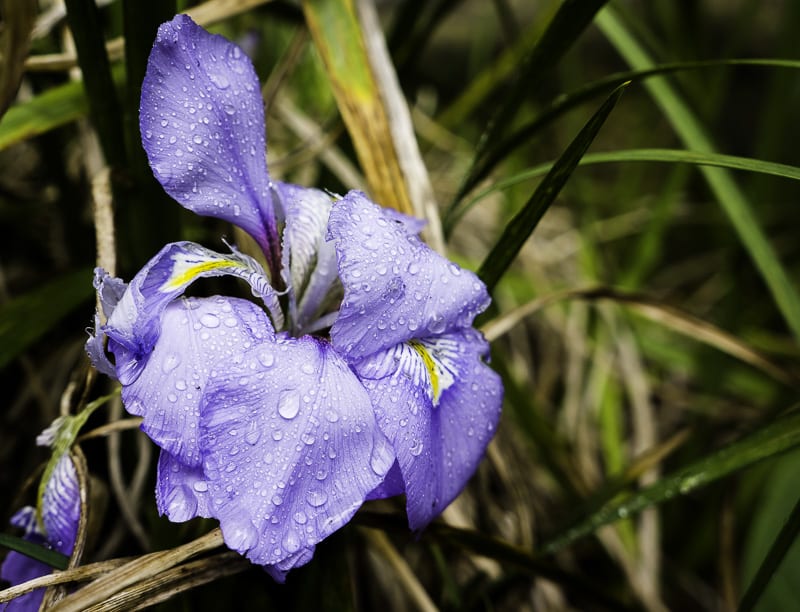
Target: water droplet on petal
point(170, 363)
point(253, 434)
point(316, 498)
point(241, 536)
point(210, 320)
point(200, 486)
point(416, 448)
point(289, 404)
point(291, 542)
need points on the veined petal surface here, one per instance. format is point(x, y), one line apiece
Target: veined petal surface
point(197, 337)
point(202, 125)
point(309, 260)
point(134, 325)
point(291, 449)
point(395, 287)
point(439, 405)
point(181, 490)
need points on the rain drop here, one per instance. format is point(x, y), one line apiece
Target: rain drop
point(316, 498)
point(289, 404)
point(416, 448)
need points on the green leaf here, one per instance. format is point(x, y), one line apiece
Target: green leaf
point(569, 22)
point(53, 108)
point(776, 554)
point(525, 221)
point(35, 551)
point(25, 319)
point(672, 156)
point(84, 21)
point(727, 192)
point(566, 102)
point(777, 437)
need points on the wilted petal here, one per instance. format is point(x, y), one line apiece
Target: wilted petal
point(135, 323)
point(181, 490)
point(202, 124)
point(309, 261)
point(197, 336)
point(395, 287)
point(438, 404)
point(290, 448)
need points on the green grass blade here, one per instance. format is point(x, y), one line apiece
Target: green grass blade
point(25, 319)
point(571, 19)
point(727, 192)
point(777, 437)
point(589, 91)
point(672, 156)
point(84, 22)
point(524, 222)
point(35, 551)
point(787, 536)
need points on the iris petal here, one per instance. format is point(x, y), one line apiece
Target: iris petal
point(291, 448)
point(196, 337)
point(134, 325)
point(181, 490)
point(309, 261)
point(395, 287)
point(202, 125)
point(439, 430)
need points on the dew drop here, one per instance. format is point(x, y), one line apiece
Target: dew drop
point(316, 498)
point(253, 434)
point(170, 363)
point(289, 404)
point(416, 448)
point(291, 542)
point(219, 79)
point(210, 320)
point(201, 486)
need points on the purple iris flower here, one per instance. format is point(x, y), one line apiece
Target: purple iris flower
point(358, 376)
point(60, 515)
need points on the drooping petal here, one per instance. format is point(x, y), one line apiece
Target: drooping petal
point(439, 405)
point(279, 570)
point(395, 287)
point(197, 336)
point(61, 506)
point(134, 325)
point(309, 260)
point(181, 490)
point(202, 125)
point(290, 447)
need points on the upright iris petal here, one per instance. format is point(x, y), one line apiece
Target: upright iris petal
point(202, 124)
point(405, 326)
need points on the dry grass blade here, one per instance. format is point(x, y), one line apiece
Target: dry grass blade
point(172, 582)
point(204, 14)
point(668, 316)
point(78, 574)
point(142, 568)
point(416, 592)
